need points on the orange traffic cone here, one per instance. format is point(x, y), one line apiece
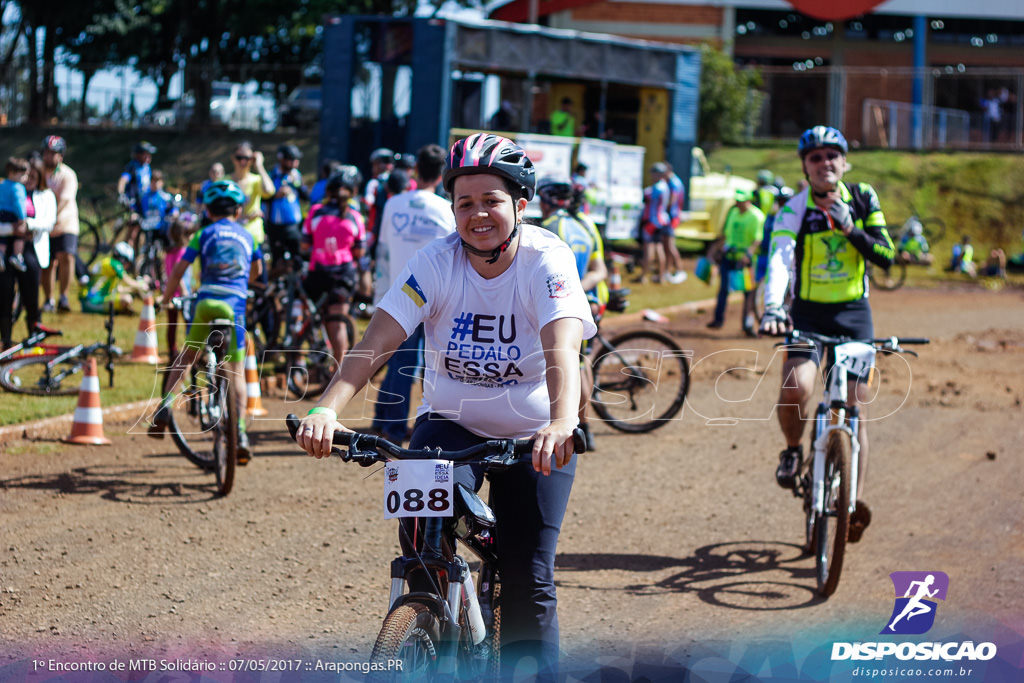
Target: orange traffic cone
point(253, 406)
point(87, 427)
point(614, 277)
point(145, 349)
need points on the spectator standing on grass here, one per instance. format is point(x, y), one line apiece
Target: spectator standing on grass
point(63, 181)
point(411, 221)
point(40, 215)
point(136, 177)
point(741, 235)
point(13, 198)
point(283, 209)
point(213, 174)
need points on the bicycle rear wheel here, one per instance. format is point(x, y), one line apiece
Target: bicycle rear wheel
point(834, 523)
point(32, 375)
point(409, 637)
point(640, 381)
point(90, 239)
point(888, 279)
point(225, 445)
point(933, 229)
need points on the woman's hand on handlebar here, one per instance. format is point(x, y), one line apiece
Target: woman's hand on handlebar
point(553, 442)
point(316, 434)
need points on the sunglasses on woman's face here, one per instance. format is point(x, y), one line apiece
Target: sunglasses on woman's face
point(819, 157)
point(242, 157)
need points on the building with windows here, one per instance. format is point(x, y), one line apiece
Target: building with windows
point(900, 73)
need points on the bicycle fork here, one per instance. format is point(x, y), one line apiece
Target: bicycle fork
point(848, 421)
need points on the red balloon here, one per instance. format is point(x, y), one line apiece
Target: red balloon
point(833, 10)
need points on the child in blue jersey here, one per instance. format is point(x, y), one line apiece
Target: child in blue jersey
point(13, 207)
point(229, 259)
point(157, 205)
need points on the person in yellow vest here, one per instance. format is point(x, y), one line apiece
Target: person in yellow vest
point(741, 234)
point(563, 121)
point(822, 241)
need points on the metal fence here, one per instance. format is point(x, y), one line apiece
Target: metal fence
point(898, 125)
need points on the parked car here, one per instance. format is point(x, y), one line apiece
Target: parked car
point(302, 107)
point(239, 107)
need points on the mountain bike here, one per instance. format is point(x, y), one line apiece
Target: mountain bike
point(453, 629)
point(204, 417)
point(308, 361)
point(46, 374)
point(828, 483)
point(888, 279)
point(641, 377)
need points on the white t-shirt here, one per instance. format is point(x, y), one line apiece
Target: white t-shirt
point(484, 362)
point(411, 221)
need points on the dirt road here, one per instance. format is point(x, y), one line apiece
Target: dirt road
point(679, 552)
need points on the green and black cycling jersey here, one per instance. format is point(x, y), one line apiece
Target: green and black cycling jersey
point(825, 265)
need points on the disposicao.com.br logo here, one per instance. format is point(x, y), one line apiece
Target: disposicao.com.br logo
point(913, 613)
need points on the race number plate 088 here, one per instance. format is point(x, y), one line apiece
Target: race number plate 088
point(418, 488)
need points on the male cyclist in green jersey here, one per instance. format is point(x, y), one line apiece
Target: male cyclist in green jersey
point(580, 233)
point(229, 260)
point(822, 240)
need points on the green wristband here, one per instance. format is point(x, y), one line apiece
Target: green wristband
point(319, 410)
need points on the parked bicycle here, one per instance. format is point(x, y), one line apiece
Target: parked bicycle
point(100, 229)
point(31, 347)
point(641, 377)
point(204, 418)
point(828, 484)
point(932, 229)
point(453, 629)
point(48, 374)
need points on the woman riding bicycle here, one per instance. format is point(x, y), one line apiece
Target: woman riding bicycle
point(334, 236)
point(504, 315)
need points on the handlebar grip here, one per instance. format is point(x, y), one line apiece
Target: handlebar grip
point(914, 340)
point(579, 443)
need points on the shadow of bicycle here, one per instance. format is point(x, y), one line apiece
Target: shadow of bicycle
point(124, 484)
point(742, 575)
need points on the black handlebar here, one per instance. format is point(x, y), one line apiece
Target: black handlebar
point(367, 449)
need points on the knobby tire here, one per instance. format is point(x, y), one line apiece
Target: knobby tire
point(227, 448)
point(640, 381)
point(834, 525)
point(410, 634)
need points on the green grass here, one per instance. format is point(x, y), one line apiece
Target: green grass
point(132, 382)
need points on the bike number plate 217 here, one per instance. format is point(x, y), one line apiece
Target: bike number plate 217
point(418, 488)
point(855, 357)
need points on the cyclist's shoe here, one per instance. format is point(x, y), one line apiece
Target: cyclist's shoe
point(161, 418)
point(244, 450)
point(17, 262)
point(588, 437)
point(50, 306)
point(39, 327)
point(715, 325)
point(790, 461)
point(62, 304)
point(859, 521)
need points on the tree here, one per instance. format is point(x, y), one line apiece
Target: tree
point(730, 101)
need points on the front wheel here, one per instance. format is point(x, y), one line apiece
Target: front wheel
point(36, 376)
point(834, 522)
point(194, 415)
point(408, 645)
point(640, 381)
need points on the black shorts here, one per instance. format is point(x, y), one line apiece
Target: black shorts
point(851, 319)
point(63, 244)
point(338, 282)
point(284, 239)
